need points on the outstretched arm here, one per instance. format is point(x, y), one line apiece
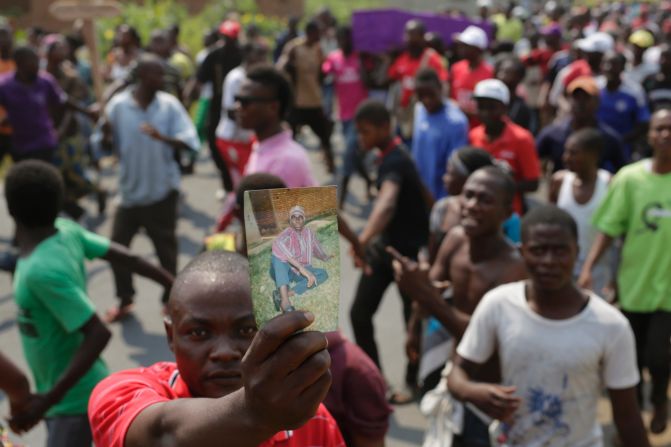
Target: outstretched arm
point(120, 255)
point(286, 376)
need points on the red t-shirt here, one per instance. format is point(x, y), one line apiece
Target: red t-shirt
point(516, 147)
point(405, 67)
point(462, 83)
point(117, 400)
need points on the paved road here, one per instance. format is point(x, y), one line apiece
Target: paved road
point(140, 340)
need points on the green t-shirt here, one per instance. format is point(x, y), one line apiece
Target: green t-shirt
point(50, 291)
point(508, 30)
point(638, 206)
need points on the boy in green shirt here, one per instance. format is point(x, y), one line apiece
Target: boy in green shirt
point(638, 207)
point(61, 334)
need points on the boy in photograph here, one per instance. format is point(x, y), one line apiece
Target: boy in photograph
point(291, 261)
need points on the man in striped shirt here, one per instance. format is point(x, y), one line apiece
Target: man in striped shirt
point(291, 261)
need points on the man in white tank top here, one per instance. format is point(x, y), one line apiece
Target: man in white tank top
point(578, 190)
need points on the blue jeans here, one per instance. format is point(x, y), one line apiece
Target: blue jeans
point(283, 275)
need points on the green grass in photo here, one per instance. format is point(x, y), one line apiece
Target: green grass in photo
point(322, 300)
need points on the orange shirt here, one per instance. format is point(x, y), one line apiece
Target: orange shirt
point(462, 83)
point(516, 147)
point(6, 66)
point(405, 67)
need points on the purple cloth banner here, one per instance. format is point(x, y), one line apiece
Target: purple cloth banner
point(381, 30)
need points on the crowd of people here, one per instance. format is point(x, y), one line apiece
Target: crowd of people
point(519, 177)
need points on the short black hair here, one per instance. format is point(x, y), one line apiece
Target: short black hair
point(417, 24)
point(34, 191)
point(216, 263)
point(474, 158)
point(250, 49)
point(589, 139)
point(311, 27)
point(254, 182)
point(548, 215)
point(427, 75)
point(148, 60)
point(515, 61)
point(344, 30)
point(274, 79)
point(373, 112)
point(504, 179)
point(617, 56)
point(22, 52)
point(135, 35)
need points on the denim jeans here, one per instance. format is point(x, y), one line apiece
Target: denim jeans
point(283, 275)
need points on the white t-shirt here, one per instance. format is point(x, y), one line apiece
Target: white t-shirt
point(558, 366)
point(227, 129)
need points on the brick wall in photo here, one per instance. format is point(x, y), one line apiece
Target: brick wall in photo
point(271, 208)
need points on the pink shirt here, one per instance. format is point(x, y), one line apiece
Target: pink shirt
point(300, 246)
point(349, 87)
point(281, 156)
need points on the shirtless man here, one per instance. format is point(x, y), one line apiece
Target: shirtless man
point(475, 257)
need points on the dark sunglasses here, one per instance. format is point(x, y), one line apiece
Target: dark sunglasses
point(247, 100)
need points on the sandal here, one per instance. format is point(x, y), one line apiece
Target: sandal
point(401, 397)
point(118, 313)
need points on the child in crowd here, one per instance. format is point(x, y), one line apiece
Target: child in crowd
point(578, 190)
point(400, 218)
point(440, 128)
point(61, 333)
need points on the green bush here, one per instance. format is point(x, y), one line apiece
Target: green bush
point(157, 14)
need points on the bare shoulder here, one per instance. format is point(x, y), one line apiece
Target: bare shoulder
point(512, 263)
point(558, 177)
point(555, 184)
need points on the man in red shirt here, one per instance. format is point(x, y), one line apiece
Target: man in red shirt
point(404, 68)
point(231, 384)
point(505, 140)
point(465, 74)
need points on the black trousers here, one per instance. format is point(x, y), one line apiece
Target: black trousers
point(160, 222)
point(369, 294)
point(652, 331)
point(314, 118)
point(212, 122)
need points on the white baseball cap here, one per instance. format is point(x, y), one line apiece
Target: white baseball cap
point(473, 36)
point(598, 42)
point(297, 211)
point(492, 89)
